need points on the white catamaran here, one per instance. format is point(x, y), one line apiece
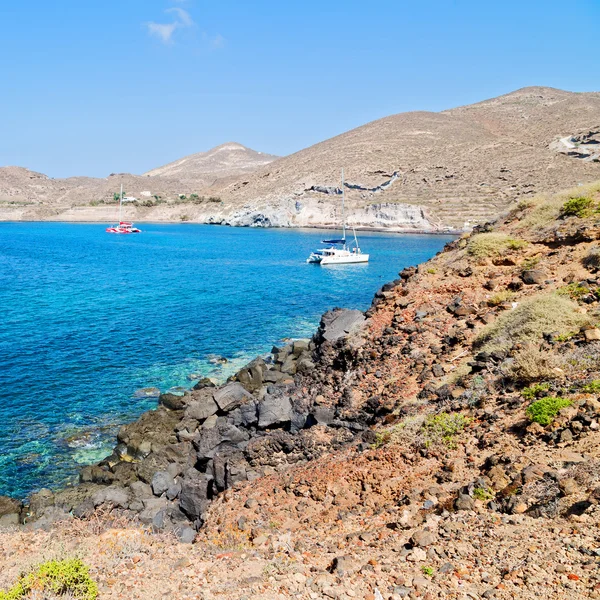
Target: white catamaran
point(123, 226)
point(339, 252)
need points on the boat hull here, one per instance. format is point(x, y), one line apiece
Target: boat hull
point(345, 260)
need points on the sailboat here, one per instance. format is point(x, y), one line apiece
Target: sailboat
point(339, 251)
point(123, 226)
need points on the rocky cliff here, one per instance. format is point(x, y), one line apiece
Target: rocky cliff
point(444, 444)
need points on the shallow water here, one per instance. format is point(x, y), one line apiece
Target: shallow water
point(88, 319)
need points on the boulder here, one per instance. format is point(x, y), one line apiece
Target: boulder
point(323, 415)
point(9, 506)
point(152, 507)
point(249, 414)
point(289, 366)
point(139, 490)
point(193, 499)
point(533, 276)
point(273, 376)
point(338, 323)
point(300, 346)
point(39, 501)
point(161, 482)
point(251, 376)
point(205, 382)
point(113, 495)
point(202, 406)
point(231, 396)
point(174, 399)
point(274, 410)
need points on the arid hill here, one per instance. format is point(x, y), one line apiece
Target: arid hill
point(410, 171)
point(225, 160)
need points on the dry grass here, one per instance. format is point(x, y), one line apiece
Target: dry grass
point(530, 364)
point(531, 320)
point(493, 244)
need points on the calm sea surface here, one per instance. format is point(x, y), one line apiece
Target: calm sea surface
point(90, 318)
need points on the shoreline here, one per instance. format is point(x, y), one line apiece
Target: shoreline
point(361, 228)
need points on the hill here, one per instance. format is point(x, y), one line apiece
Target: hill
point(223, 161)
point(444, 444)
point(413, 171)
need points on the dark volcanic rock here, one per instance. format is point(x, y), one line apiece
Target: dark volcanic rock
point(274, 410)
point(231, 396)
point(338, 323)
point(202, 405)
point(194, 499)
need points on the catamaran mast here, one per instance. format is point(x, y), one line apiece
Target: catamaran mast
point(343, 208)
point(121, 205)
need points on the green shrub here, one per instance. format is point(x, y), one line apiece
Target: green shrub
point(58, 577)
point(443, 428)
point(500, 297)
point(490, 245)
point(533, 318)
point(483, 494)
point(574, 290)
point(544, 411)
point(529, 393)
point(381, 439)
point(428, 571)
point(593, 387)
point(576, 207)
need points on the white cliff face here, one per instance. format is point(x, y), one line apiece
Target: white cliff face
point(312, 212)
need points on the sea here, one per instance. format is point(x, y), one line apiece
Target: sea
point(90, 322)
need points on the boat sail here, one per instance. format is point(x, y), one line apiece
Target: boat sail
point(339, 252)
point(123, 226)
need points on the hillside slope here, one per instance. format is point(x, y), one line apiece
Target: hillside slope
point(417, 171)
point(445, 444)
point(225, 160)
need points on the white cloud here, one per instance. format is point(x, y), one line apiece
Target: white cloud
point(218, 41)
point(182, 16)
point(163, 31)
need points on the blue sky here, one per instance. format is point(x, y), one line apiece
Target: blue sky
point(99, 86)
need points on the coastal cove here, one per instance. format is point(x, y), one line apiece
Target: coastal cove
point(90, 319)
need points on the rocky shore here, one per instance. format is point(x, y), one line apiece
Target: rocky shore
point(443, 444)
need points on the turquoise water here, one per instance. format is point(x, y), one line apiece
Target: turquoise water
point(89, 318)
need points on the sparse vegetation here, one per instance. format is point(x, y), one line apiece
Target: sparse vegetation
point(574, 291)
point(593, 387)
point(428, 571)
point(544, 411)
point(530, 363)
point(184, 217)
point(483, 494)
point(493, 244)
point(58, 577)
point(528, 322)
point(443, 428)
point(500, 297)
point(534, 391)
point(577, 207)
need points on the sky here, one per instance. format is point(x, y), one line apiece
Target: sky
point(93, 87)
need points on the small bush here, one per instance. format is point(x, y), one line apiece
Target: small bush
point(443, 428)
point(428, 571)
point(528, 322)
point(184, 217)
point(544, 411)
point(534, 391)
point(381, 439)
point(500, 297)
point(591, 261)
point(576, 207)
point(483, 494)
point(532, 364)
point(58, 577)
point(490, 245)
point(214, 199)
point(575, 291)
point(593, 387)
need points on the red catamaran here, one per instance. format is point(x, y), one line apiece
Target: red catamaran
point(123, 226)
